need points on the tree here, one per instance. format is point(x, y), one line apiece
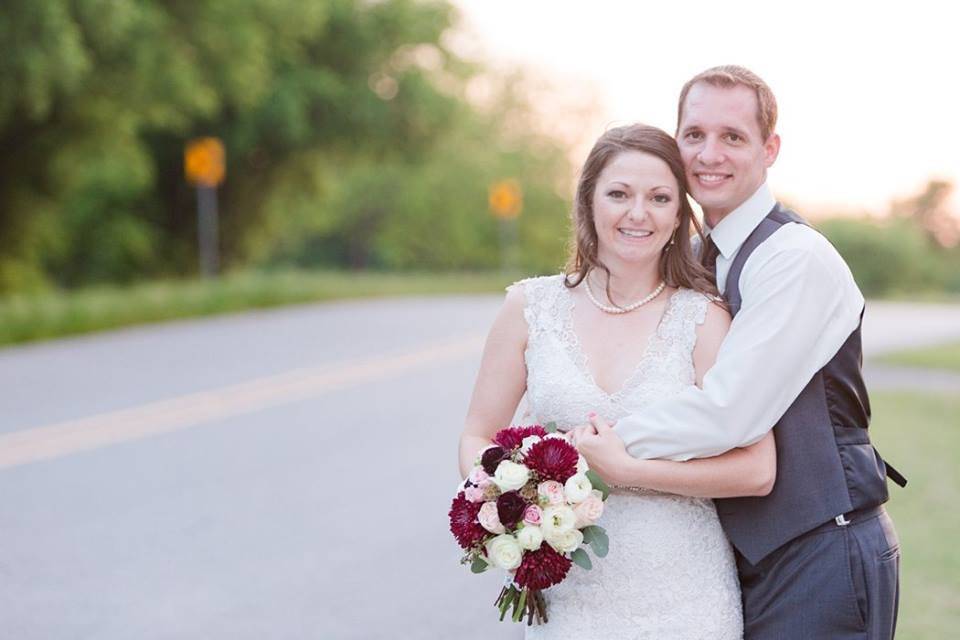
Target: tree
point(97, 98)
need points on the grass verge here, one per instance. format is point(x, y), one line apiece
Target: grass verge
point(920, 435)
point(945, 356)
point(28, 318)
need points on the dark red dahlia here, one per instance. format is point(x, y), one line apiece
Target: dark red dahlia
point(553, 459)
point(542, 568)
point(463, 521)
point(512, 437)
point(510, 508)
point(492, 458)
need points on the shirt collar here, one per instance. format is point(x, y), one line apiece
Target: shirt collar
point(732, 231)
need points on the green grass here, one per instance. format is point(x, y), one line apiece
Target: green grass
point(27, 318)
point(920, 435)
point(945, 356)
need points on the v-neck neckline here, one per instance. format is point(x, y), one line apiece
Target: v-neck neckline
point(582, 361)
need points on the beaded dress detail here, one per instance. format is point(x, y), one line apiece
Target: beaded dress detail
point(670, 572)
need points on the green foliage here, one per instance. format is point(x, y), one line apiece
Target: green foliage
point(914, 250)
point(598, 483)
point(597, 538)
point(349, 139)
point(479, 565)
point(581, 559)
point(892, 256)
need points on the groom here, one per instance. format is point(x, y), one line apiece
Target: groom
point(818, 557)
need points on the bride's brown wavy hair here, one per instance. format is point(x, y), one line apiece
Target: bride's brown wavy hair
point(678, 266)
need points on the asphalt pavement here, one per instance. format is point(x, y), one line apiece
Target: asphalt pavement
point(273, 474)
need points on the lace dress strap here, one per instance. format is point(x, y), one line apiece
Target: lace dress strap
point(687, 311)
point(544, 306)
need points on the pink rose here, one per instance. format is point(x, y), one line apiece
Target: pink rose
point(532, 515)
point(477, 475)
point(552, 492)
point(588, 511)
point(489, 519)
point(474, 494)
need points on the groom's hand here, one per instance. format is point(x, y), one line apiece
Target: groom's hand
point(603, 449)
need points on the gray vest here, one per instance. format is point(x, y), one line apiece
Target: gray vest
point(826, 465)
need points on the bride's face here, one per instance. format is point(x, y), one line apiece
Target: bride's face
point(635, 208)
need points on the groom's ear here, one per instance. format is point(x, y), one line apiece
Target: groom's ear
point(771, 149)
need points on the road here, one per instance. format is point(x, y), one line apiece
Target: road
point(274, 474)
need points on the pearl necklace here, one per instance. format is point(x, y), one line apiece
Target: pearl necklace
point(629, 307)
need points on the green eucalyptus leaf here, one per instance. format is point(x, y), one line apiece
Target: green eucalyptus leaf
point(598, 483)
point(581, 559)
point(550, 427)
point(479, 565)
point(597, 538)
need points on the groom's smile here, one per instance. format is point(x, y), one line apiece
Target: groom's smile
point(711, 180)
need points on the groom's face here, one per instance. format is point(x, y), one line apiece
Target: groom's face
point(723, 151)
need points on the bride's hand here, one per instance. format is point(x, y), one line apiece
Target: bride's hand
point(603, 449)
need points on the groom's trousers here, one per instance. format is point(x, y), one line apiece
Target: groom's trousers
point(837, 582)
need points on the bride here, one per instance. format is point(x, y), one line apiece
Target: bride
point(631, 320)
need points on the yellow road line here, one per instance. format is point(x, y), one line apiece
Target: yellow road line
point(105, 429)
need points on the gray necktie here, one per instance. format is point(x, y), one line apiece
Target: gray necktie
point(708, 257)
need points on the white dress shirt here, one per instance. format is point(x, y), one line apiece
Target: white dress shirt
point(800, 304)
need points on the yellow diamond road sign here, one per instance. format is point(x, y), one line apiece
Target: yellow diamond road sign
point(506, 199)
point(204, 162)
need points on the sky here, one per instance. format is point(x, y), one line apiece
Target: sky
point(868, 93)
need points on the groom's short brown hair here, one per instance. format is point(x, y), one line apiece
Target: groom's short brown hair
point(731, 75)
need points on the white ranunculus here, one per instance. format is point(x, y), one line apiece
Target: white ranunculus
point(582, 466)
point(565, 542)
point(577, 488)
point(510, 476)
point(528, 442)
point(556, 520)
point(530, 537)
point(504, 551)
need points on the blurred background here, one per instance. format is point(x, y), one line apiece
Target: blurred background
point(167, 160)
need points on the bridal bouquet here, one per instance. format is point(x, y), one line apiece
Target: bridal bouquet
point(529, 506)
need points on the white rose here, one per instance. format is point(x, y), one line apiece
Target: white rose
point(577, 488)
point(582, 466)
point(566, 541)
point(530, 537)
point(556, 520)
point(510, 476)
point(504, 551)
point(528, 442)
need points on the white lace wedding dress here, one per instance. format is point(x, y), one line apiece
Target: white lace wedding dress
point(670, 572)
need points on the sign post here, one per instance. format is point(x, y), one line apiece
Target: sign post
point(506, 203)
point(204, 162)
